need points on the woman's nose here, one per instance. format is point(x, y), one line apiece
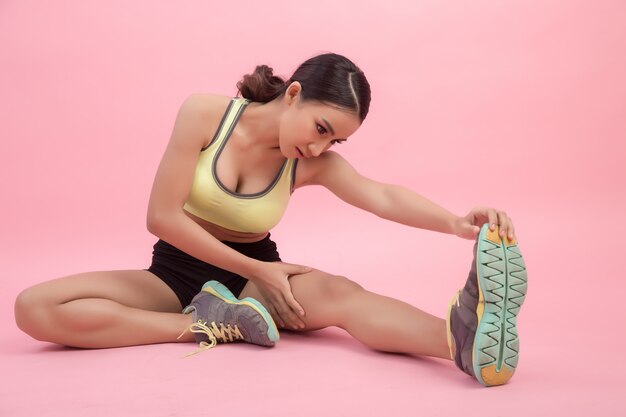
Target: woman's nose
point(317, 148)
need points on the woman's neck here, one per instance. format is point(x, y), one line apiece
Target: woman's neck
point(259, 125)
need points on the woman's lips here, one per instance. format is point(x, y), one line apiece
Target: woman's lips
point(300, 152)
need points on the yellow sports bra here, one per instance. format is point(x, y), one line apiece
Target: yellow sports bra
point(210, 200)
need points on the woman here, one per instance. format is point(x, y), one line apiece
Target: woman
point(223, 183)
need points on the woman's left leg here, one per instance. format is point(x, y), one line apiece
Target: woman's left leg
point(381, 323)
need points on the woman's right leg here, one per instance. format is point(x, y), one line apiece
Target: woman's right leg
point(102, 310)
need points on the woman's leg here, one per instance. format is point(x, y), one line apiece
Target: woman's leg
point(379, 322)
point(101, 310)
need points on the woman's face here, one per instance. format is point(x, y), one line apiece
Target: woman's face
point(309, 128)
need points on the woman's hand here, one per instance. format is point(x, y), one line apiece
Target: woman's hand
point(272, 279)
point(469, 226)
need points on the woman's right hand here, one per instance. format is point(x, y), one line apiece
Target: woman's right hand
point(272, 280)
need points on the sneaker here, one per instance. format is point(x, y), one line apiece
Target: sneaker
point(218, 316)
point(482, 316)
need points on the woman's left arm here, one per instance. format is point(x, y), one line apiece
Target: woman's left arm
point(399, 204)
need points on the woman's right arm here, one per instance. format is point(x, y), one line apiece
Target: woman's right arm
point(194, 127)
point(192, 130)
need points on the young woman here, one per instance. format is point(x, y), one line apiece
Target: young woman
point(224, 181)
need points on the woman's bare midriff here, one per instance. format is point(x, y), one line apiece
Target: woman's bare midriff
point(223, 234)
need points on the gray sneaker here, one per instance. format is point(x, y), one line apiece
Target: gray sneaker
point(218, 316)
point(482, 317)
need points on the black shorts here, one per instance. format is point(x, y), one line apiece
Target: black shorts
point(185, 274)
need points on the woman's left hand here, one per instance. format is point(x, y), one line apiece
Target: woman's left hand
point(469, 226)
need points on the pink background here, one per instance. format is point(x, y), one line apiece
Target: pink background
point(515, 104)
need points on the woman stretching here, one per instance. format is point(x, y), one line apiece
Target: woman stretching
point(224, 181)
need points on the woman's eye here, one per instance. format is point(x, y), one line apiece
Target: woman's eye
point(337, 142)
point(321, 129)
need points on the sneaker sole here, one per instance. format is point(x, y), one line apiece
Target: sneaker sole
point(502, 286)
point(223, 293)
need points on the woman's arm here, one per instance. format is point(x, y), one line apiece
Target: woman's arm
point(388, 201)
point(398, 203)
point(166, 219)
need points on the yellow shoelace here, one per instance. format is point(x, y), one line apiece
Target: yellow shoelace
point(225, 334)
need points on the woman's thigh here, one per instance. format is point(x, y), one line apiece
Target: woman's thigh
point(324, 297)
point(133, 288)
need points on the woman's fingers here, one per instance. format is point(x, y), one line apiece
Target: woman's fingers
point(511, 230)
point(508, 228)
point(496, 218)
point(293, 269)
point(289, 318)
point(289, 315)
point(272, 310)
point(493, 219)
point(277, 289)
point(295, 309)
point(506, 225)
point(502, 223)
point(293, 304)
point(285, 313)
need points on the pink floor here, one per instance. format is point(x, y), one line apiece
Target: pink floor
point(570, 343)
point(518, 105)
point(570, 360)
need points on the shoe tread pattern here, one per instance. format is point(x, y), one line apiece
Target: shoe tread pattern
point(503, 284)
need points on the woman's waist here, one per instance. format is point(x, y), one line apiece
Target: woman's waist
point(223, 234)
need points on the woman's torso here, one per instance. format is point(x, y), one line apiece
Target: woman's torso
point(243, 171)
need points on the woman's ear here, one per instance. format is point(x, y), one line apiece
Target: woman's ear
point(292, 94)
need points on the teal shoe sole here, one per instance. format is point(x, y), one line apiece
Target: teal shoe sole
point(502, 286)
point(219, 290)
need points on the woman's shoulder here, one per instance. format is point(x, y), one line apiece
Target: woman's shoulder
point(201, 112)
point(204, 103)
point(310, 171)
point(198, 117)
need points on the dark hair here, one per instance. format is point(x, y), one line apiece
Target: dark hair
point(327, 78)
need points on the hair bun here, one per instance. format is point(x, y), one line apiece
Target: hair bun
point(262, 85)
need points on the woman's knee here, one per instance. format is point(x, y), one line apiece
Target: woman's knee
point(326, 298)
point(338, 288)
point(37, 307)
point(30, 312)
